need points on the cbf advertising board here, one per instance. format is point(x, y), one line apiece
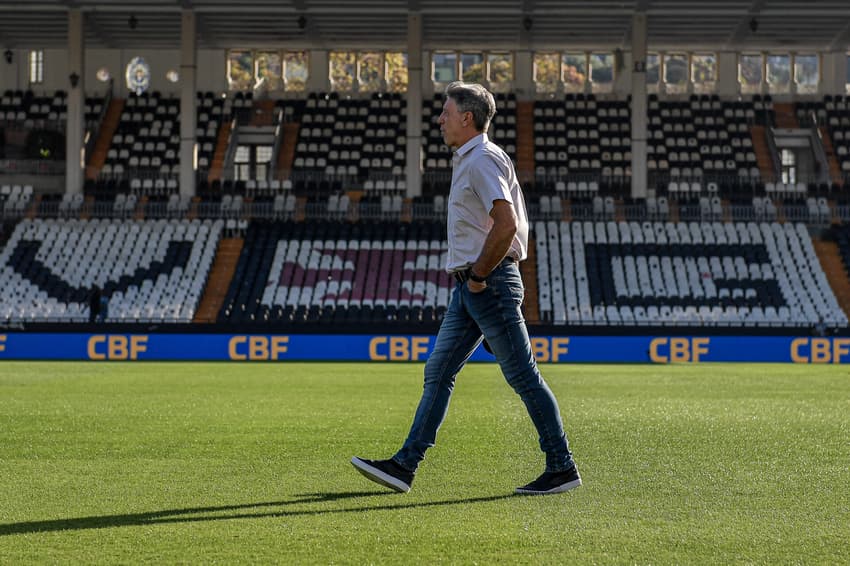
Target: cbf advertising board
point(413, 348)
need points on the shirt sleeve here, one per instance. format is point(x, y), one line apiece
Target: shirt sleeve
point(489, 181)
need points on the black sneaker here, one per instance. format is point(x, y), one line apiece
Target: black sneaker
point(385, 472)
point(552, 482)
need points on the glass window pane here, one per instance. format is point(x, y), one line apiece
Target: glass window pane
point(546, 71)
point(778, 73)
point(574, 71)
point(501, 71)
point(847, 84)
point(602, 71)
point(264, 153)
point(653, 72)
point(444, 67)
point(269, 70)
point(704, 72)
point(749, 74)
point(396, 64)
point(240, 69)
point(296, 70)
point(789, 166)
point(36, 66)
point(243, 154)
point(369, 71)
point(806, 73)
point(472, 67)
point(676, 73)
point(342, 70)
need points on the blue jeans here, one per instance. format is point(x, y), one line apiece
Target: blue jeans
point(495, 312)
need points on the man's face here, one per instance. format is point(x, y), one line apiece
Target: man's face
point(455, 126)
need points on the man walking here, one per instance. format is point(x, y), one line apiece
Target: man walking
point(488, 236)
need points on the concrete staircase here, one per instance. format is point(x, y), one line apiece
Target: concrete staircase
point(528, 270)
point(829, 149)
point(286, 153)
point(221, 274)
point(217, 164)
point(786, 117)
point(104, 138)
point(263, 113)
point(836, 274)
point(763, 154)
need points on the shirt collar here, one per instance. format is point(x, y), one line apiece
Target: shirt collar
point(471, 144)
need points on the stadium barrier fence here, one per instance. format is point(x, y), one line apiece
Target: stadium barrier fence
point(416, 348)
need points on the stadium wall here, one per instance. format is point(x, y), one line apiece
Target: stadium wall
point(212, 65)
point(416, 348)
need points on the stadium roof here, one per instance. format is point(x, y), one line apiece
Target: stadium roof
point(487, 24)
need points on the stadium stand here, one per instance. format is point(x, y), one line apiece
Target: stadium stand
point(346, 142)
point(683, 274)
point(331, 272)
point(579, 141)
point(151, 271)
point(31, 109)
point(14, 199)
point(147, 141)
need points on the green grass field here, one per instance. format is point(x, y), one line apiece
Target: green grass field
point(233, 463)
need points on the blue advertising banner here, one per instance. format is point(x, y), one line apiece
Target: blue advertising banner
point(411, 348)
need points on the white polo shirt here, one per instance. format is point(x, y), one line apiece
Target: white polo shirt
point(481, 173)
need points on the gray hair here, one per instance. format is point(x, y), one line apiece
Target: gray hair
point(472, 97)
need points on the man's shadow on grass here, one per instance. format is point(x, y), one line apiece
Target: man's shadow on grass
point(262, 510)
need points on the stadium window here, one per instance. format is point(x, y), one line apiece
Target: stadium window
point(704, 72)
point(444, 67)
point(263, 158)
point(847, 80)
point(295, 71)
point(653, 72)
point(369, 67)
point(268, 71)
point(574, 71)
point(789, 167)
point(36, 67)
point(547, 71)
point(395, 65)
point(240, 69)
point(472, 67)
point(242, 163)
point(750, 73)
point(342, 70)
point(676, 73)
point(778, 73)
point(602, 72)
point(806, 73)
point(500, 69)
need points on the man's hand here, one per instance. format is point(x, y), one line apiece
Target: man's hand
point(475, 287)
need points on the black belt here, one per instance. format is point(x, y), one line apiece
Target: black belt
point(462, 276)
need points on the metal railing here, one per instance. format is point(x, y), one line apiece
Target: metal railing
point(367, 211)
point(32, 167)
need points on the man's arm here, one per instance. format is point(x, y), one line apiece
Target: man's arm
point(498, 241)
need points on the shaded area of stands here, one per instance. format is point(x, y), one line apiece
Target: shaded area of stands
point(338, 273)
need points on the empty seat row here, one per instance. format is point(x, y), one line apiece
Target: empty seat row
point(699, 273)
point(149, 271)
